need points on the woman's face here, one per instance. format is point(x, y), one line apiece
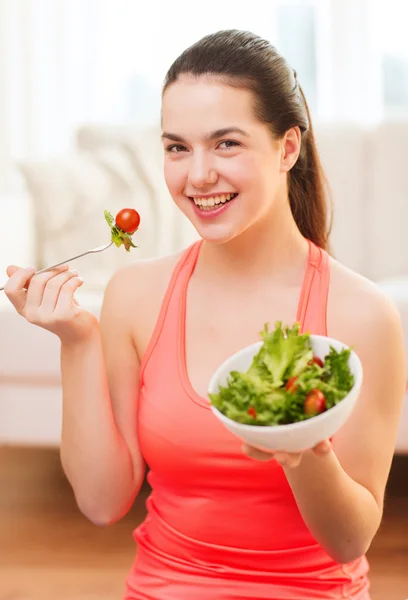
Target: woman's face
point(222, 167)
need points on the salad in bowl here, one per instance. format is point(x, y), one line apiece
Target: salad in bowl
point(287, 392)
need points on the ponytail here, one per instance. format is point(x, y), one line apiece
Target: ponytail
point(309, 193)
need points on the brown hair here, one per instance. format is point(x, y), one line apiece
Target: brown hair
point(243, 59)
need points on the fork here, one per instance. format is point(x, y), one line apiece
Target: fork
point(64, 262)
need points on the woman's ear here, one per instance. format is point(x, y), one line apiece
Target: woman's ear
point(290, 147)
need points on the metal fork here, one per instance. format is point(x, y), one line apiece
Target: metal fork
point(64, 262)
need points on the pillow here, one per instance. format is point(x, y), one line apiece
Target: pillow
point(343, 152)
point(69, 195)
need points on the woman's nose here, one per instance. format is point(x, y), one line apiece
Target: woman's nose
point(202, 173)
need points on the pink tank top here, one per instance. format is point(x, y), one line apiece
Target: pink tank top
point(215, 515)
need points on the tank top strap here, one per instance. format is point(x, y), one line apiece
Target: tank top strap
point(171, 301)
point(312, 311)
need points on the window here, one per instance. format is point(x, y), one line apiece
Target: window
point(296, 26)
point(105, 60)
point(387, 22)
point(351, 56)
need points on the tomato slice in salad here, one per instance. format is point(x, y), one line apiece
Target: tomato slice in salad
point(252, 412)
point(315, 402)
point(316, 361)
point(291, 384)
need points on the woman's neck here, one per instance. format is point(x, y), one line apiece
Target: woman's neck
point(273, 246)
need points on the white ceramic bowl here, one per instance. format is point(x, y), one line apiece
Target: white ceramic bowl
point(293, 437)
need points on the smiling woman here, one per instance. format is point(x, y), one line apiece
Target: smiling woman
point(226, 522)
point(241, 164)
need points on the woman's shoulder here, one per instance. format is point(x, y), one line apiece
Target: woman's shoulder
point(146, 277)
point(151, 270)
point(137, 290)
point(357, 306)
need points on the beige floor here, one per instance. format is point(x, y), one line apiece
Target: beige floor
point(48, 551)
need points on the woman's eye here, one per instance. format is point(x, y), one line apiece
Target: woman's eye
point(175, 148)
point(228, 144)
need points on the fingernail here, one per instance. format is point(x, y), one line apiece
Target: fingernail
point(74, 271)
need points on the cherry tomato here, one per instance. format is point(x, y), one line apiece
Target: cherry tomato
point(315, 402)
point(316, 361)
point(252, 412)
point(291, 384)
point(128, 220)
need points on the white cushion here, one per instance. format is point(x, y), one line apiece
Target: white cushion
point(30, 378)
point(386, 213)
point(28, 352)
point(69, 195)
point(342, 148)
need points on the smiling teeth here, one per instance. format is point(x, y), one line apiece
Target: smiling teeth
point(213, 200)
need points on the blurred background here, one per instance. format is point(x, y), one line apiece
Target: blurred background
point(80, 84)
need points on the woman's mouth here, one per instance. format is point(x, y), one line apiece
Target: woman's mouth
point(212, 204)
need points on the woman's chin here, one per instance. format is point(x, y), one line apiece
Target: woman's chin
point(216, 233)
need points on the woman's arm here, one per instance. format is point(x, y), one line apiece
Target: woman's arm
point(341, 513)
point(100, 377)
point(340, 493)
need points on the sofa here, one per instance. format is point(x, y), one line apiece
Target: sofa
point(109, 167)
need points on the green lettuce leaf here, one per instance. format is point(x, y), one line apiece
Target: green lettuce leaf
point(284, 354)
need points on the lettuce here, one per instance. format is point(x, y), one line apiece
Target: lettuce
point(285, 353)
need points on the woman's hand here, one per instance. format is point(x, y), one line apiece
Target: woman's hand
point(47, 300)
point(286, 459)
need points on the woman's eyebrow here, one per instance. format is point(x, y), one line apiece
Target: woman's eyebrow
point(210, 136)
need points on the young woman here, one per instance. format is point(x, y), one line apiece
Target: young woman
point(226, 522)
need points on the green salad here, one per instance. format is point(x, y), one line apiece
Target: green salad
point(285, 383)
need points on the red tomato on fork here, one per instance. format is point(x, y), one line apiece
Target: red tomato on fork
point(128, 220)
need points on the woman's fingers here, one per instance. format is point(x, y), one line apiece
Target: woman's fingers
point(66, 300)
point(289, 459)
point(285, 459)
point(37, 286)
point(257, 454)
point(47, 300)
point(53, 290)
point(36, 298)
point(15, 288)
point(323, 447)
